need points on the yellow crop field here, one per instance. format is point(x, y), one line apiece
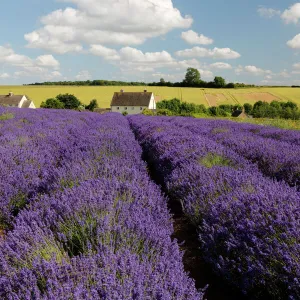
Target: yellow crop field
point(208, 97)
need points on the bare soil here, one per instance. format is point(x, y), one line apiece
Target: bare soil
point(201, 272)
point(215, 99)
point(254, 97)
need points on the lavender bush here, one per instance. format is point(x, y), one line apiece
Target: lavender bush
point(249, 225)
point(276, 158)
point(100, 229)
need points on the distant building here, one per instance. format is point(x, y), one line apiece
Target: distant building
point(241, 114)
point(20, 101)
point(132, 103)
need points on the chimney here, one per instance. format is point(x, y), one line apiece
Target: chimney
point(122, 91)
point(145, 91)
point(10, 94)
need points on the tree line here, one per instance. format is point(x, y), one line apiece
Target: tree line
point(192, 79)
point(273, 110)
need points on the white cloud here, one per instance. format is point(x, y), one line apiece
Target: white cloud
point(55, 75)
point(190, 63)
point(284, 74)
point(94, 22)
point(268, 74)
point(296, 66)
point(39, 66)
point(132, 60)
point(18, 74)
point(239, 70)
point(268, 12)
point(275, 82)
point(135, 55)
point(206, 74)
point(291, 15)
point(9, 57)
point(4, 76)
point(83, 75)
point(254, 70)
point(167, 77)
point(144, 69)
point(295, 42)
point(135, 58)
point(47, 61)
point(217, 53)
point(193, 37)
point(221, 66)
point(107, 53)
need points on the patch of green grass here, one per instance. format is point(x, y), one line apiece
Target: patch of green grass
point(279, 123)
point(214, 160)
point(18, 202)
point(6, 116)
point(49, 251)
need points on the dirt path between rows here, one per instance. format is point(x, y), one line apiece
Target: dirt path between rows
point(194, 264)
point(193, 261)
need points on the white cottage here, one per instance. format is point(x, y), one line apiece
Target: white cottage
point(132, 103)
point(20, 101)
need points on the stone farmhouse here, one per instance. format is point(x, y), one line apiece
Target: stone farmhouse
point(132, 103)
point(20, 101)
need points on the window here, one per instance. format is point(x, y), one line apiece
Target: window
point(141, 108)
point(118, 108)
point(125, 108)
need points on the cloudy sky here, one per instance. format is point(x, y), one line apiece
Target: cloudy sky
point(244, 41)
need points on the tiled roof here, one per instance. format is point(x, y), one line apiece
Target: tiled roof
point(131, 99)
point(26, 103)
point(14, 100)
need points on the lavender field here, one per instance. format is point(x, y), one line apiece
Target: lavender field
point(85, 205)
point(239, 186)
point(80, 218)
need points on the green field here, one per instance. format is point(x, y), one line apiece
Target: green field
point(197, 95)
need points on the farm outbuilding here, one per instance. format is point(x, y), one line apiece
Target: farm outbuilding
point(133, 103)
point(20, 101)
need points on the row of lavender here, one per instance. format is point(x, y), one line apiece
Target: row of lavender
point(249, 225)
point(92, 225)
point(275, 151)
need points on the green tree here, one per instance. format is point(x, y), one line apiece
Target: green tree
point(164, 112)
point(52, 103)
point(173, 105)
point(69, 101)
point(230, 85)
point(93, 104)
point(148, 112)
point(248, 108)
point(261, 109)
point(219, 82)
point(192, 77)
point(291, 105)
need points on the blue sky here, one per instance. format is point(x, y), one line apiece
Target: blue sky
point(144, 40)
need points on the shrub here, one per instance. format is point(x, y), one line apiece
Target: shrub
point(53, 103)
point(93, 105)
point(69, 101)
point(164, 112)
point(148, 112)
